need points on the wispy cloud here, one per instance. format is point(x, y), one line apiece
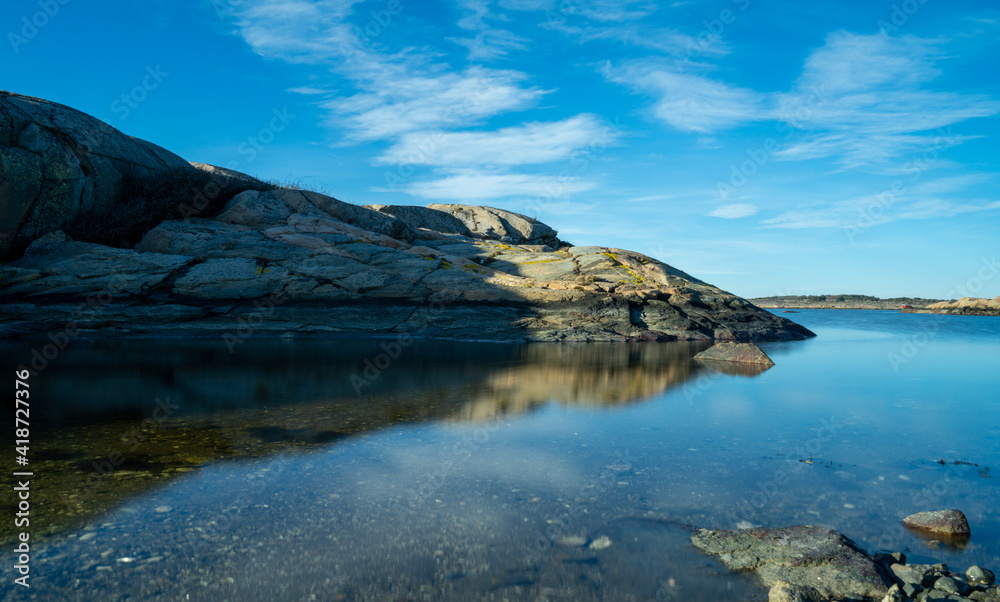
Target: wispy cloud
point(474, 185)
point(412, 102)
point(691, 102)
point(530, 143)
point(395, 93)
point(734, 211)
point(862, 98)
point(488, 42)
point(920, 201)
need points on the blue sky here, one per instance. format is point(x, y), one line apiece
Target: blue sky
point(765, 147)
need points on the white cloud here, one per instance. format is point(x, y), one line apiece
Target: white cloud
point(410, 103)
point(862, 98)
point(489, 42)
point(308, 90)
point(479, 186)
point(734, 211)
point(691, 102)
point(395, 93)
point(527, 144)
point(918, 201)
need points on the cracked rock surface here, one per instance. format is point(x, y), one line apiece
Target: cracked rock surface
point(299, 261)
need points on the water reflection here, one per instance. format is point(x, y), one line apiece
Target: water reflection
point(124, 416)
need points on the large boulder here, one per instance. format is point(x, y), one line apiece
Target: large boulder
point(803, 556)
point(60, 167)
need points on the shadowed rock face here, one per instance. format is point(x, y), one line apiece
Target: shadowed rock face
point(59, 166)
point(820, 559)
point(305, 262)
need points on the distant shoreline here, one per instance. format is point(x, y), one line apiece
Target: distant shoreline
point(841, 302)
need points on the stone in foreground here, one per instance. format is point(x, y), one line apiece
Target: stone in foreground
point(802, 556)
point(744, 353)
point(949, 522)
point(783, 591)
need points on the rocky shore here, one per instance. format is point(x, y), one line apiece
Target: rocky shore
point(839, 302)
point(813, 564)
point(966, 306)
point(105, 234)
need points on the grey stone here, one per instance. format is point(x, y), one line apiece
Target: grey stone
point(502, 225)
point(782, 591)
point(980, 576)
point(951, 586)
point(744, 353)
point(802, 555)
point(951, 522)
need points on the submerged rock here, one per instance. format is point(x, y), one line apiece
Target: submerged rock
point(948, 522)
point(802, 556)
point(744, 353)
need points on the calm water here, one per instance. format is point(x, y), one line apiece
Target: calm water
point(175, 470)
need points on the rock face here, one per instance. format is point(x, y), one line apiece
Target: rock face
point(305, 262)
point(744, 353)
point(505, 226)
point(809, 560)
point(949, 522)
point(59, 167)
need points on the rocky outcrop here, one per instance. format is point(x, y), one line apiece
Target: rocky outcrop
point(324, 266)
point(966, 306)
point(505, 226)
point(60, 167)
point(810, 561)
point(742, 353)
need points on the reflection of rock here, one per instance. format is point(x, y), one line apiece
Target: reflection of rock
point(592, 375)
point(804, 556)
point(272, 395)
point(743, 353)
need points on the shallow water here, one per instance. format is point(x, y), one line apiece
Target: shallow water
point(463, 471)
